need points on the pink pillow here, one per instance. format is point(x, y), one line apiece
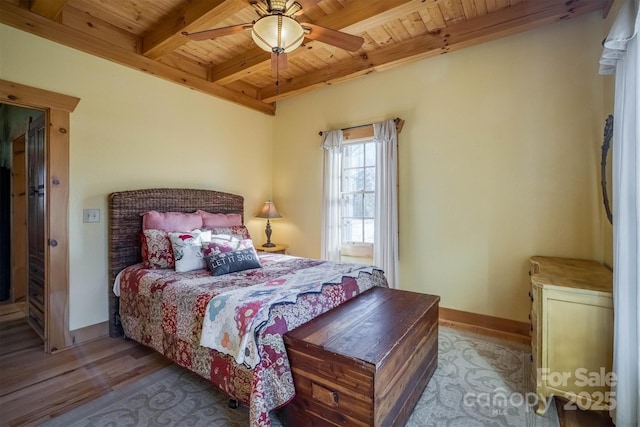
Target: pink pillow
point(171, 221)
point(213, 220)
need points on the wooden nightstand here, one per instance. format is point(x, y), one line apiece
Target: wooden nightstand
point(277, 249)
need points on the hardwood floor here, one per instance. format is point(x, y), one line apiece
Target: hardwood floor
point(35, 387)
point(575, 418)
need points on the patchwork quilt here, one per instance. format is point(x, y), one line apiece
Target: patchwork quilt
point(240, 318)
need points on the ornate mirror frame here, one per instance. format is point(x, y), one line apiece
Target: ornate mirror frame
point(606, 145)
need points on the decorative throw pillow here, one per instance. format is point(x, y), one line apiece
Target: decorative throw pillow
point(187, 251)
point(231, 262)
point(225, 243)
point(213, 220)
point(236, 230)
point(171, 221)
point(205, 235)
point(156, 249)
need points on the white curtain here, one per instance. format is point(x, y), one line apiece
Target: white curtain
point(385, 250)
point(620, 56)
point(330, 243)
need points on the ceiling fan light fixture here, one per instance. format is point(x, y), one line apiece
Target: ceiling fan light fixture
point(277, 6)
point(277, 33)
point(293, 8)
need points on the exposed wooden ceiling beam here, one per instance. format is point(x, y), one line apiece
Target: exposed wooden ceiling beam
point(48, 8)
point(498, 24)
point(353, 18)
point(25, 20)
point(196, 15)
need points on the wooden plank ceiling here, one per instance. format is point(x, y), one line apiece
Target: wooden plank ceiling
point(147, 35)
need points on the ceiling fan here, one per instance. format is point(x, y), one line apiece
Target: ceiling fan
point(277, 30)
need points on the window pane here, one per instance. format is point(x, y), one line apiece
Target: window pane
point(369, 206)
point(351, 230)
point(352, 180)
point(369, 231)
point(352, 205)
point(370, 154)
point(370, 179)
point(352, 155)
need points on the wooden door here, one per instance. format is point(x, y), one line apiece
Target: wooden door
point(36, 224)
point(19, 237)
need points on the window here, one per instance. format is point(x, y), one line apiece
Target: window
point(358, 193)
point(360, 196)
point(358, 199)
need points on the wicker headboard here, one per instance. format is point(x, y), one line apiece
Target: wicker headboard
point(125, 225)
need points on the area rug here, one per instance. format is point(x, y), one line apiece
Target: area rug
point(479, 381)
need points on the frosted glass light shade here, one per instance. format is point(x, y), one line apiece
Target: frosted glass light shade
point(277, 33)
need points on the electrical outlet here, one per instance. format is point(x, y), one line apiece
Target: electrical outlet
point(91, 215)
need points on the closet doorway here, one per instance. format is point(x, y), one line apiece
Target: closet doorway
point(47, 193)
point(23, 213)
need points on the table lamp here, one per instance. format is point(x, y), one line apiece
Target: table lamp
point(268, 211)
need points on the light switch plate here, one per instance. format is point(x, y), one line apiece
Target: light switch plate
point(91, 215)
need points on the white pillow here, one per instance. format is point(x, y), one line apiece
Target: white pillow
point(187, 250)
point(205, 235)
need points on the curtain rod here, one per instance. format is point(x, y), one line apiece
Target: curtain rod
point(398, 120)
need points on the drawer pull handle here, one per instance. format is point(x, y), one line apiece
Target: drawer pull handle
point(324, 395)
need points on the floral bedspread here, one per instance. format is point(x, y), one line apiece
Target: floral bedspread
point(165, 310)
point(233, 318)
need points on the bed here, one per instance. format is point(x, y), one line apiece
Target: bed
point(174, 312)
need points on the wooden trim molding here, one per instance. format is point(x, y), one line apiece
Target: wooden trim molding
point(512, 330)
point(89, 333)
point(57, 109)
point(26, 96)
point(57, 249)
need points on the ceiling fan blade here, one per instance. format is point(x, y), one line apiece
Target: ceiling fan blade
point(217, 32)
point(278, 62)
point(334, 37)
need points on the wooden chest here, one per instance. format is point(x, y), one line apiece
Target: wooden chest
point(364, 363)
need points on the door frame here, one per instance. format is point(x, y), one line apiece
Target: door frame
point(57, 108)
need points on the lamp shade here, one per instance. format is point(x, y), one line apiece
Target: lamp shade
point(269, 211)
point(277, 33)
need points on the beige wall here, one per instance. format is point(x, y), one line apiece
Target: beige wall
point(134, 131)
point(498, 161)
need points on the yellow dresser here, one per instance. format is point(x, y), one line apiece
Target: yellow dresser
point(571, 331)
